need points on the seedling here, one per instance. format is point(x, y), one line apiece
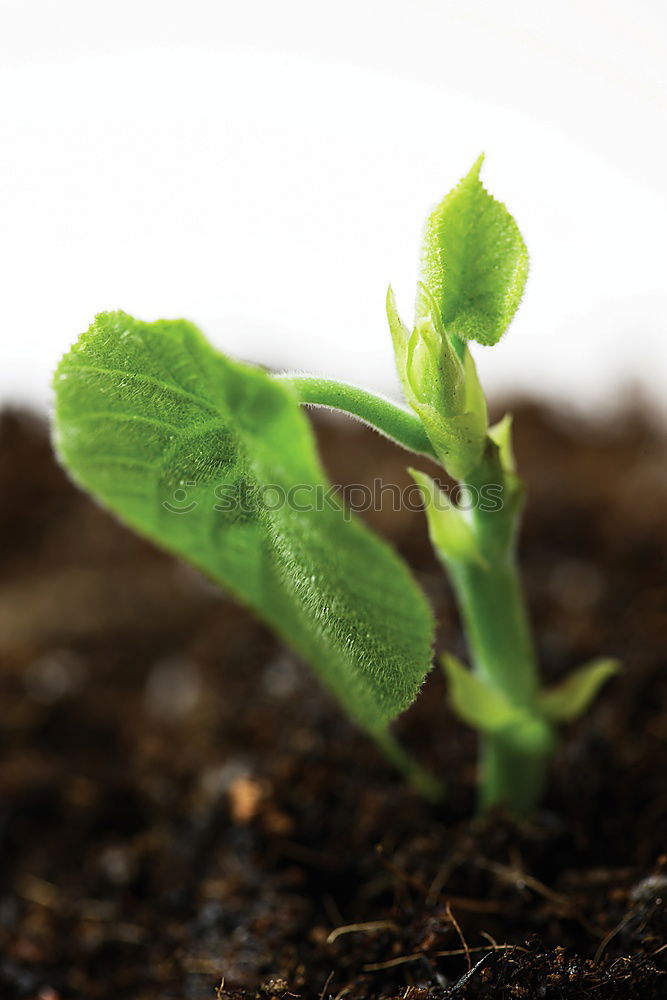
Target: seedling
point(216, 461)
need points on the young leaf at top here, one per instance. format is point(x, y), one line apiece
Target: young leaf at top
point(474, 261)
point(202, 455)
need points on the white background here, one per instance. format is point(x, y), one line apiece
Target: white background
point(264, 168)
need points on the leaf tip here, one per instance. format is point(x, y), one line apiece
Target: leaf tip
point(474, 172)
point(569, 699)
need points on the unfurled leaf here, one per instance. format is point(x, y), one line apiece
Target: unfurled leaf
point(474, 262)
point(571, 697)
point(215, 461)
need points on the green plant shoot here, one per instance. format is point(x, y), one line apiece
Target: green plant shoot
point(215, 461)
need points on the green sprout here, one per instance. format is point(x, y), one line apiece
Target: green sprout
point(216, 461)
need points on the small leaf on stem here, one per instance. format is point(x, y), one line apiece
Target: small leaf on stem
point(569, 699)
point(476, 702)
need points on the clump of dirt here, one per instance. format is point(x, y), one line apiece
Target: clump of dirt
point(182, 804)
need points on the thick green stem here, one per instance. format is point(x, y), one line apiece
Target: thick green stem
point(491, 603)
point(512, 776)
point(385, 416)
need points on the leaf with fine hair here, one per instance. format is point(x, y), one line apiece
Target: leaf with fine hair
point(474, 261)
point(196, 452)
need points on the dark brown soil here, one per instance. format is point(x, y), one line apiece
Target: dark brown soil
point(180, 802)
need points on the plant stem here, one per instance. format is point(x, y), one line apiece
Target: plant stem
point(491, 603)
point(511, 775)
point(385, 416)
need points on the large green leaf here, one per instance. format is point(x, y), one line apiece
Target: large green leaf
point(152, 420)
point(474, 261)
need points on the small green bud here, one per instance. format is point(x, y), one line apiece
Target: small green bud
point(440, 384)
point(434, 371)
